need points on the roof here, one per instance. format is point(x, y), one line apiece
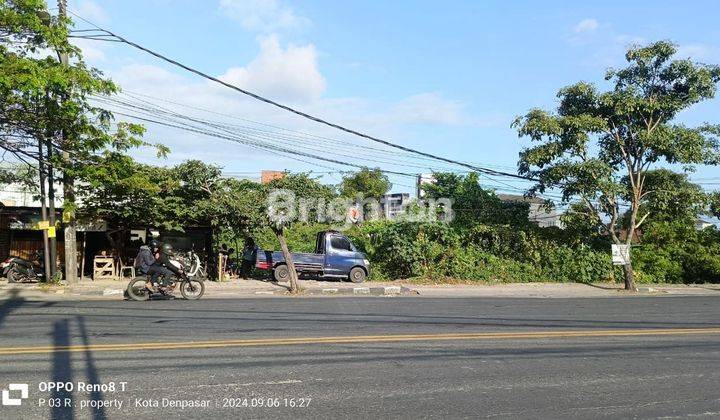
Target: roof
point(520, 198)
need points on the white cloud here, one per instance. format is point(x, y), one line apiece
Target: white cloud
point(146, 75)
point(604, 48)
point(698, 52)
point(586, 25)
point(89, 10)
point(433, 108)
point(92, 51)
point(263, 15)
point(430, 108)
point(290, 73)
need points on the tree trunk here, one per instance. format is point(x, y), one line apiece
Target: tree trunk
point(629, 277)
point(288, 260)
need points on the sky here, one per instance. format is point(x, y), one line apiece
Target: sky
point(445, 77)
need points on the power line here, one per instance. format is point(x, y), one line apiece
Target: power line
point(244, 138)
point(269, 136)
point(478, 169)
point(293, 110)
point(277, 149)
point(299, 133)
point(163, 115)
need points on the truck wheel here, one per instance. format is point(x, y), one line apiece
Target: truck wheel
point(281, 273)
point(357, 275)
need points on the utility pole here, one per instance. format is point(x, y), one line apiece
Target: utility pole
point(68, 189)
point(418, 186)
point(51, 202)
point(43, 211)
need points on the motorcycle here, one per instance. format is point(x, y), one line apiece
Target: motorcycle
point(19, 270)
point(192, 264)
point(191, 288)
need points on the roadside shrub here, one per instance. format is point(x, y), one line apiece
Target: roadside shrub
point(472, 263)
point(670, 253)
point(580, 264)
point(657, 265)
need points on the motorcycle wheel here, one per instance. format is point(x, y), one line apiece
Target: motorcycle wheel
point(136, 290)
point(13, 276)
point(192, 289)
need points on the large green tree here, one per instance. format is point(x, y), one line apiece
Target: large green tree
point(126, 193)
point(370, 183)
point(670, 197)
point(473, 204)
point(44, 101)
point(715, 204)
point(596, 138)
point(281, 212)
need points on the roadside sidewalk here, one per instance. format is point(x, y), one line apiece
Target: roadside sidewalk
point(113, 289)
point(561, 290)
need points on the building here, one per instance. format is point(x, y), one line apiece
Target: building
point(538, 213)
point(422, 180)
point(20, 213)
point(267, 176)
point(701, 224)
point(393, 205)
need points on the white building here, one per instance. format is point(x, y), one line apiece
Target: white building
point(538, 213)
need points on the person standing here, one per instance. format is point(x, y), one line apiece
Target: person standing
point(249, 256)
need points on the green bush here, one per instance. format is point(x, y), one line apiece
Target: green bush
point(657, 265)
point(670, 253)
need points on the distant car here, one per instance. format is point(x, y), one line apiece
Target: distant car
point(335, 257)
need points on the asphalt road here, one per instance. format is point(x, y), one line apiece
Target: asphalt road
point(642, 357)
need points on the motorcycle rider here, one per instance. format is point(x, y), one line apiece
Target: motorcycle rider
point(163, 266)
point(146, 257)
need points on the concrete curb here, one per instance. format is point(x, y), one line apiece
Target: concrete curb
point(111, 292)
point(371, 291)
point(646, 289)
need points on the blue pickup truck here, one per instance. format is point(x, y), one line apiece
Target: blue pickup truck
point(335, 257)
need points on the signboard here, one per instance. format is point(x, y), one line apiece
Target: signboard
point(138, 235)
point(51, 232)
point(43, 224)
point(620, 254)
point(92, 226)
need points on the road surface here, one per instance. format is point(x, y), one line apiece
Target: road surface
point(363, 357)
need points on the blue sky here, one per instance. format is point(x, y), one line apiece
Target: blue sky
point(445, 77)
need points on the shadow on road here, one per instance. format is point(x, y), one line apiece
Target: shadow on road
point(179, 313)
point(378, 353)
point(61, 371)
point(10, 304)
point(91, 370)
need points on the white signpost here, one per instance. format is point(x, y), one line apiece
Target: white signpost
point(620, 254)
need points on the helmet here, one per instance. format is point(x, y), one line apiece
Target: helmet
point(167, 249)
point(153, 244)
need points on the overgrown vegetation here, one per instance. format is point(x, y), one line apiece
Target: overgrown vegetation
point(599, 148)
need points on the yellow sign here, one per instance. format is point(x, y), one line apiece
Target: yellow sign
point(44, 224)
point(51, 232)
